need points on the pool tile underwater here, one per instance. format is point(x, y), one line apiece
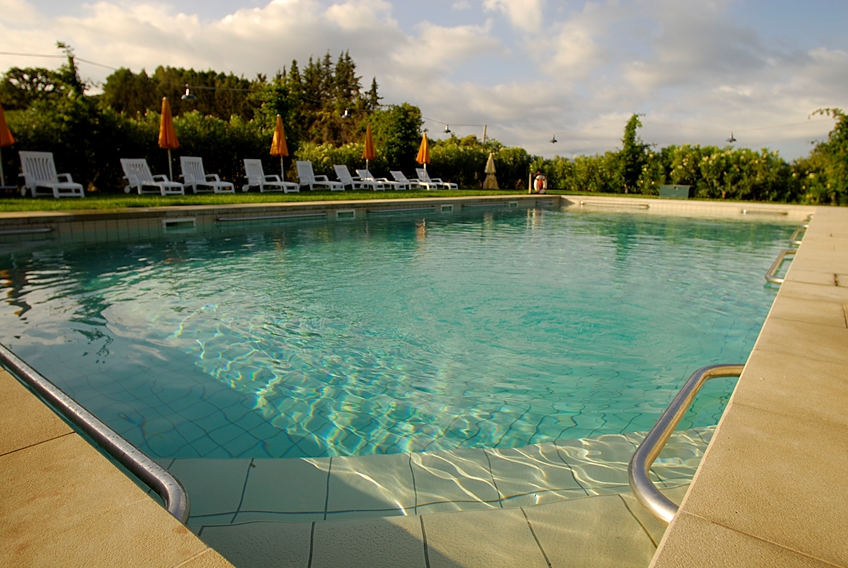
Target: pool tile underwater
point(531, 470)
point(617, 541)
point(453, 476)
point(290, 486)
point(222, 491)
point(409, 484)
point(482, 538)
point(366, 483)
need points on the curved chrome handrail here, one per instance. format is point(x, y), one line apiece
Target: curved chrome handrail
point(148, 471)
point(775, 266)
point(658, 504)
point(794, 240)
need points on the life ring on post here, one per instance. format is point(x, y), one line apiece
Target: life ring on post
point(541, 183)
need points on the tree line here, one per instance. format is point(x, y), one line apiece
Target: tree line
point(326, 109)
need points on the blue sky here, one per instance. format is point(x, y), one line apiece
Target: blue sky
point(528, 69)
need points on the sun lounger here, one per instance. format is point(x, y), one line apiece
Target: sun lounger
point(138, 176)
point(366, 175)
point(308, 178)
point(256, 177)
point(39, 173)
point(194, 176)
point(424, 177)
point(401, 178)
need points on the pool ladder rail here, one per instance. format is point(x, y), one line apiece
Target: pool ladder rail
point(643, 488)
point(148, 471)
point(795, 239)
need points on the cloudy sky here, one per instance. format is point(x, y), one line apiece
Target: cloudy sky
point(529, 69)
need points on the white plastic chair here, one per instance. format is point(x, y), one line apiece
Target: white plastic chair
point(307, 177)
point(138, 176)
point(194, 176)
point(256, 177)
point(39, 173)
point(401, 178)
point(424, 177)
point(365, 175)
point(356, 183)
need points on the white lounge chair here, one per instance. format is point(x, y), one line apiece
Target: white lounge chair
point(256, 177)
point(39, 173)
point(365, 175)
point(307, 177)
point(355, 182)
point(193, 175)
point(138, 176)
point(424, 177)
point(401, 178)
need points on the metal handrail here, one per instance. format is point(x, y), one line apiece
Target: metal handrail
point(794, 240)
point(643, 488)
point(148, 471)
point(775, 266)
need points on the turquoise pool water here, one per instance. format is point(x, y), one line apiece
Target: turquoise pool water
point(497, 329)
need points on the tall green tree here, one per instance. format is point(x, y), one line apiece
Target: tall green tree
point(633, 154)
point(823, 175)
point(398, 132)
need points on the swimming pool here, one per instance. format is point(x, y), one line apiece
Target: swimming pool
point(395, 334)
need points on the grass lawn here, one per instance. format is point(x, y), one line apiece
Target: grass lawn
point(14, 202)
point(123, 201)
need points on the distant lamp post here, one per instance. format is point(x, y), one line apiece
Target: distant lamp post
point(447, 129)
point(553, 139)
point(188, 96)
point(731, 140)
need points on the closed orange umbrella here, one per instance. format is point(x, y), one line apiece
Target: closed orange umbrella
point(167, 134)
point(6, 139)
point(423, 156)
point(368, 153)
point(278, 144)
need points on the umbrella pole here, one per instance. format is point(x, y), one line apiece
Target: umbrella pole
point(2, 177)
point(282, 169)
point(367, 167)
point(170, 169)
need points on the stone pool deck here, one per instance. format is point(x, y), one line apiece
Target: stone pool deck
point(769, 492)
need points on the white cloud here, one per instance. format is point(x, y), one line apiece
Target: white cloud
point(523, 14)
point(528, 68)
point(18, 11)
point(430, 55)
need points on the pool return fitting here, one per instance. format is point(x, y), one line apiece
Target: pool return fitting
point(643, 488)
point(148, 471)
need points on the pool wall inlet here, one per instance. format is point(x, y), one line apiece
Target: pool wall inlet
point(769, 491)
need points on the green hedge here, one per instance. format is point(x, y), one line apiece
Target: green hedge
point(88, 140)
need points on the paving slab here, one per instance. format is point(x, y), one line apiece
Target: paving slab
point(791, 489)
point(24, 419)
point(63, 500)
point(778, 378)
point(694, 542)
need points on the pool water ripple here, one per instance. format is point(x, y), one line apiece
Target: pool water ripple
point(493, 330)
